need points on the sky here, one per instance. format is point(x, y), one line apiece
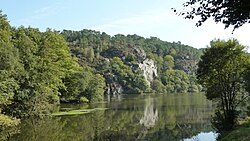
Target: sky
point(145, 18)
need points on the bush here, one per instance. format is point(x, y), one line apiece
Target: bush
point(83, 99)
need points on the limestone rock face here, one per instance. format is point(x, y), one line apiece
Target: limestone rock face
point(135, 58)
point(149, 69)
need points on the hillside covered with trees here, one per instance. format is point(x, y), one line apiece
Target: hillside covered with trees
point(39, 70)
point(119, 56)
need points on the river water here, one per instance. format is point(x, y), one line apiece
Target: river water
point(172, 117)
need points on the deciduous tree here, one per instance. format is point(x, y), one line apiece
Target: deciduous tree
point(222, 71)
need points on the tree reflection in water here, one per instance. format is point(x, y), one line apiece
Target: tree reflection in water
point(153, 118)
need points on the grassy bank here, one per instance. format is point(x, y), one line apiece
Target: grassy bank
point(76, 112)
point(241, 133)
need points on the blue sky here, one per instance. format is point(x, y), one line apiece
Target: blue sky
point(142, 17)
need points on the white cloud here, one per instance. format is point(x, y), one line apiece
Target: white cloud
point(136, 24)
point(41, 15)
point(210, 30)
point(167, 26)
point(46, 11)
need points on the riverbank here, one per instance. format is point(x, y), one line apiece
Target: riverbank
point(241, 133)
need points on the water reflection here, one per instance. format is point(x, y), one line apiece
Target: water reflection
point(210, 136)
point(150, 114)
point(152, 118)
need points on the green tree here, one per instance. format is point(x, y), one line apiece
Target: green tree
point(172, 52)
point(5, 29)
point(247, 78)
point(82, 85)
point(25, 98)
point(228, 12)
point(76, 84)
point(95, 90)
point(9, 68)
point(84, 42)
point(8, 75)
point(132, 82)
point(36, 63)
point(175, 81)
point(168, 62)
point(193, 84)
point(91, 55)
point(158, 86)
point(221, 70)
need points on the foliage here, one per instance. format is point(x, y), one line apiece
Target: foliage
point(194, 86)
point(158, 86)
point(8, 127)
point(177, 81)
point(132, 82)
point(228, 12)
point(76, 84)
point(95, 90)
point(130, 50)
point(221, 70)
point(8, 78)
point(38, 70)
point(241, 133)
point(247, 79)
point(4, 28)
point(168, 62)
point(45, 60)
point(84, 99)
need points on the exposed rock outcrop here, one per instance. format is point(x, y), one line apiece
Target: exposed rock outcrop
point(140, 54)
point(112, 85)
point(149, 69)
point(135, 58)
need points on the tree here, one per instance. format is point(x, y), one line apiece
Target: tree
point(131, 81)
point(91, 54)
point(158, 86)
point(83, 85)
point(168, 62)
point(222, 71)
point(172, 52)
point(193, 84)
point(4, 28)
point(175, 81)
point(229, 12)
point(25, 98)
point(95, 90)
point(76, 84)
point(33, 67)
point(9, 67)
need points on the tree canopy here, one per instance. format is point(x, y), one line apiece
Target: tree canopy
point(229, 12)
point(222, 70)
point(118, 56)
point(37, 71)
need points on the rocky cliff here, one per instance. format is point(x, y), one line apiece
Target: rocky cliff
point(118, 74)
point(149, 70)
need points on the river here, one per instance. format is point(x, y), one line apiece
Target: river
point(172, 117)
